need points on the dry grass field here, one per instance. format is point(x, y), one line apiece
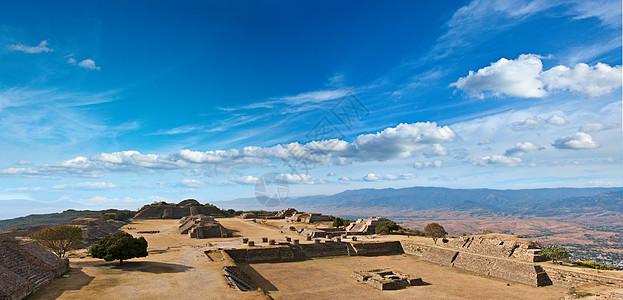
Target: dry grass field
point(177, 268)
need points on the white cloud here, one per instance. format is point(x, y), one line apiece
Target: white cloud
point(386, 177)
point(583, 79)
point(42, 47)
point(246, 180)
point(576, 141)
point(556, 120)
point(437, 150)
point(401, 141)
point(518, 78)
point(496, 160)
point(299, 179)
point(538, 122)
point(596, 127)
point(88, 64)
point(85, 185)
point(191, 183)
point(522, 148)
point(23, 162)
point(524, 77)
point(330, 174)
point(427, 164)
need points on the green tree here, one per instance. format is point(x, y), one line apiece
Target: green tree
point(386, 227)
point(60, 239)
point(555, 252)
point(435, 231)
point(338, 222)
point(119, 246)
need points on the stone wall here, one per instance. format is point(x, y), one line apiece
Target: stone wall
point(25, 267)
point(569, 278)
point(377, 248)
point(324, 249)
point(499, 245)
point(414, 248)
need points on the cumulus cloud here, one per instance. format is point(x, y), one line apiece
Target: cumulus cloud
point(576, 141)
point(246, 180)
point(595, 127)
point(42, 47)
point(88, 64)
point(85, 185)
point(496, 160)
point(524, 77)
point(522, 148)
point(401, 141)
point(23, 162)
point(537, 123)
point(427, 164)
point(436, 150)
point(299, 179)
point(191, 183)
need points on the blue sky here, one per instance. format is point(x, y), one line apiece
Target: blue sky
point(118, 104)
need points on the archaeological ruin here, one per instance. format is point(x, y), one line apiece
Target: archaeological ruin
point(185, 208)
point(25, 267)
point(365, 226)
point(202, 227)
point(386, 279)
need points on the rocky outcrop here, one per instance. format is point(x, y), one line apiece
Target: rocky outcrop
point(25, 267)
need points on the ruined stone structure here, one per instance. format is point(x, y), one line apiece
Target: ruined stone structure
point(297, 252)
point(202, 227)
point(500, 245)
point(285, 213)
point(248, 216)
point(365, 226)
point(481, 257)
point(321, 232)
point(25, 267)
point(94, 229)
point(386, 279)
point(176, 211)
point(308, 218)
point(238, 279)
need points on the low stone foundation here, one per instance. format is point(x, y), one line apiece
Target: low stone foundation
point(298, 252)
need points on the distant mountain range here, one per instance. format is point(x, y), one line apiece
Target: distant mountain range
point(406, 201)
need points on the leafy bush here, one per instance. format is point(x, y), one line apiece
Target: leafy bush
point(386, 227)
point(444, 240)
point(594, 265)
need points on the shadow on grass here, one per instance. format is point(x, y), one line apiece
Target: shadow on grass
point(76, 280)
point(257, 278)
point(148, 267)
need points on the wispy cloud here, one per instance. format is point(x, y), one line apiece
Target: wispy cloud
point(85, 185)
point(42, 47)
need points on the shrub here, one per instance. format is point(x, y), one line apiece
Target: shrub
point(386, 227)
point(444, 240)
point(594, 265)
